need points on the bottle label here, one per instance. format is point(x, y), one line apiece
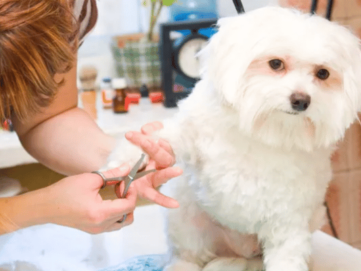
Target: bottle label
point(107, 96)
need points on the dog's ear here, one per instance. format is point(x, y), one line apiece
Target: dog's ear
point(351, 57)
point(222, 22)
point(230, 51)
point(205, 54)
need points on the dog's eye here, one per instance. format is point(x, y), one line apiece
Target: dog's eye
point(323, 74)
point(276, 64)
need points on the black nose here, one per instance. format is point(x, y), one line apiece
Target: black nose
point(300, 101)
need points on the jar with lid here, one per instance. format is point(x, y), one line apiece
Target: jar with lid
point(120, 101)
point(107, 93)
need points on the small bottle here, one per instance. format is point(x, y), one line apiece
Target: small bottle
point(120, 101)
point(107, 93)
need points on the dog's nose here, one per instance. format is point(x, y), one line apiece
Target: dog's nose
point(300, 101)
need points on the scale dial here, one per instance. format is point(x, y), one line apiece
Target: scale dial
point(186, 60)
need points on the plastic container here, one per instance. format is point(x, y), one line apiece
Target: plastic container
point(156, 97)
point(187, 10)
point(133, 98)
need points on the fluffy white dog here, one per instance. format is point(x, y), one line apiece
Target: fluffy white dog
point(278, 90)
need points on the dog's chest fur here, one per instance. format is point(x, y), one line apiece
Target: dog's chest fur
point(242, 182)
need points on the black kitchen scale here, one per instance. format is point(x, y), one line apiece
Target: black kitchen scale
point(180, 66)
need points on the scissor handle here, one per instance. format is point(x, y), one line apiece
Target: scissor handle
point(133, 175)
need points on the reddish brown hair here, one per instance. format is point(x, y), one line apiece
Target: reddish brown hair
point(35, 44)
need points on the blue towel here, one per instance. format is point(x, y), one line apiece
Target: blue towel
point(142, 263)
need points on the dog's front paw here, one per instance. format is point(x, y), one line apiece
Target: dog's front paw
point(124, 152)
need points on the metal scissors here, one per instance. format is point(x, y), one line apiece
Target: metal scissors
point(133, 175)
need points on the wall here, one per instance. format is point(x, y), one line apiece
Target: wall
point(123, 16)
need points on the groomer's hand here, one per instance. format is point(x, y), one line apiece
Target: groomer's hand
point(76, 203)
point(161, 157)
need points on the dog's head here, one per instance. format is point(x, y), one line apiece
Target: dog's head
point(294, 79)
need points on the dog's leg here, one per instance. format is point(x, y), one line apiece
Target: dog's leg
point(189, 230)
point(235, 264)
point(286, 248)
point(126, 152)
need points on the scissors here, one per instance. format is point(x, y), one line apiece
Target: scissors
point(133, 175)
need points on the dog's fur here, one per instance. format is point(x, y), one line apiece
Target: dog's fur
point(255, 171)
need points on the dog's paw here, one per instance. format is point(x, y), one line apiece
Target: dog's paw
point(124, 152)
point(180, 265)
point(235, 264)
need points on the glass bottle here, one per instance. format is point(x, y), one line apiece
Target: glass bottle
point(120, 104)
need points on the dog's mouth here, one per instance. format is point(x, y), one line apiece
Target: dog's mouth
point(291, 112)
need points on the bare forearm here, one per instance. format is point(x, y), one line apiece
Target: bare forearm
point(23, 211)
point(69, 143)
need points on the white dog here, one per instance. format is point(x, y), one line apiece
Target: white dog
point(278, 90)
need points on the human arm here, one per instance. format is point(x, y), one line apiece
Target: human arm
point(74, 202)
point(64, 137)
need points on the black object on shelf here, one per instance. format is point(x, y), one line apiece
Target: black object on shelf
point(169, 55)
point(144, 92)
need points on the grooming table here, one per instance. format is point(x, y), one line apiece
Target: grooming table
point(329, 255)
point(56, 248)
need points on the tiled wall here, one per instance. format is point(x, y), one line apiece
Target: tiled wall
point(347, 12)
point(344, 195)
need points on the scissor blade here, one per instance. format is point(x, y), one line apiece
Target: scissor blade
point(137, 176)
point(136, 167)
point(131, 177)
point(142, 174)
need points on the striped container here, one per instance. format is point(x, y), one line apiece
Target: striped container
point(137, 60)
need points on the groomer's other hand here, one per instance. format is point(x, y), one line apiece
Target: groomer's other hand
point(162, 158)
point(76, 203)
